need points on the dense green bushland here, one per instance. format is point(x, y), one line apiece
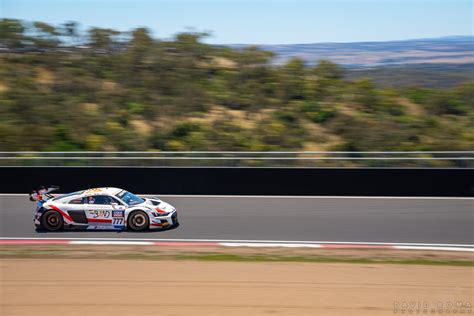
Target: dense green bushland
point(104, 90)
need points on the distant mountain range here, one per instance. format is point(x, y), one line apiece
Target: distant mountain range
point(444, 50)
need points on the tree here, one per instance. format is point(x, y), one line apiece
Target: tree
point(12, 33)
point(327, 76)
point(46, 35)
point(137, 56)
point(442, 103)
point(364, 94)
point(292, 80)
point(102, 39)
point(141, 38)
point(328, 70)
point(465, 95)
point(70, 30)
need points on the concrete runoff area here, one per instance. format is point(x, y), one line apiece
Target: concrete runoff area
point(391, 220)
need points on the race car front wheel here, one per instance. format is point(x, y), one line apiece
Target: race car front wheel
point(52, 221)
point(138, 221)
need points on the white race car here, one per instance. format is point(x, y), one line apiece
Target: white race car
point(101, 209)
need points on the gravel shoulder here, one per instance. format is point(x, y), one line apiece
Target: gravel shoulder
point(170, 280)
point(172, 287)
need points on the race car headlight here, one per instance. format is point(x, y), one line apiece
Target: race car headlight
point(160, 214)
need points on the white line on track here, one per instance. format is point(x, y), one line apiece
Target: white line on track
point(260, 245)
point(434, 248)
point(320, 197)
point(294, 196)
point(346, 245)
point(240, 241)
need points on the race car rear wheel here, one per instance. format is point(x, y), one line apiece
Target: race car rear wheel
point(138, 221)
point(52, 221)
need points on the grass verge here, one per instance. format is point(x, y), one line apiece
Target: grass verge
point(224, 255)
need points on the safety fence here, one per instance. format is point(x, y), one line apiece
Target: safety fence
point(247, 181)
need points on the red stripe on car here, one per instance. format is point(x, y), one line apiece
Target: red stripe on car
point(61, 212)
point(99, 220)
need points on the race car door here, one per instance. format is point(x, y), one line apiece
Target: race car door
point(99, 211)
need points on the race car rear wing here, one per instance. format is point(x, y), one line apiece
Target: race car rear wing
point(43, 193)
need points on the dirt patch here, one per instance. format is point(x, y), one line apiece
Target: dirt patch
point(411, 107)
point(137, 287)
point(44, 76)
point(3, 87)
point(141, 126)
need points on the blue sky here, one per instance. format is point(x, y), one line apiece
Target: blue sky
point(261, 21)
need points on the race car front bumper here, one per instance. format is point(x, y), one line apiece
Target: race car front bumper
point(36, 220)
point(165, 221)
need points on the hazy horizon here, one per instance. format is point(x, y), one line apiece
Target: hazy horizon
point(354, 42)
point(261, 22)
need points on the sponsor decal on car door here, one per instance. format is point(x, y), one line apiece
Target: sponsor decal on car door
point(118, 217)
point(99, 212)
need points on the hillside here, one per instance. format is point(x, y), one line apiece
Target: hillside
point(187, 95)
point(445, 50)
point(410, 75)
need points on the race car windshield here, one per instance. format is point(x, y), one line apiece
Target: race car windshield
point(130, 198)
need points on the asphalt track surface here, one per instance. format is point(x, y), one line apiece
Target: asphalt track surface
point(394, 220)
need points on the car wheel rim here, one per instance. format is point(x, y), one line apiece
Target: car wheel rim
point(139, 220)
point(53, 220)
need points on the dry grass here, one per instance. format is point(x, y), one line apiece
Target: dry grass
point(44, 76)
point(412, 109)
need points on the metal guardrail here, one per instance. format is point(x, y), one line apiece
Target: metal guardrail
point(231, 152)
point(458, 159)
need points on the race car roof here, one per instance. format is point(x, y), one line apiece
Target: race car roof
point(88, 192)
point(105, 190)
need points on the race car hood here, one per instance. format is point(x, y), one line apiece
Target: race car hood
point(159, 205)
